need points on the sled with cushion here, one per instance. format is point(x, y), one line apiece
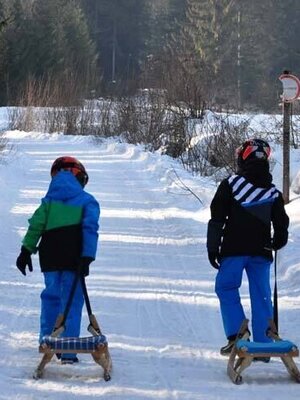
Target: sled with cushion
point(96, 344)
point(244, 352)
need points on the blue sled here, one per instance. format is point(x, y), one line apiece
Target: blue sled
point(96, 345)
point(244, 352)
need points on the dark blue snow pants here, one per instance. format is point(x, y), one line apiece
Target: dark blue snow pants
point(228, 282)
point(53, 301)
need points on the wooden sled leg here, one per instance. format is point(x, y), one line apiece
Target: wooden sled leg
point(39, 372)
point(291, 367)
point(47, 357)
point(287, 360)
point(231, 368)
point(236, 366)
point(102, 357)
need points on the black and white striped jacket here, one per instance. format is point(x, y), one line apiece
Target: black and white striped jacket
point(246, 219)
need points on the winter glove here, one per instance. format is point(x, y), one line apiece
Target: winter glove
point(214, 259)
point(275, 245)
point(84, 265)
point(24, 260)
point(278, 243)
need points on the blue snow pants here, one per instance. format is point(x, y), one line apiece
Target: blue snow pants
point(53, 302)
point(228, 282)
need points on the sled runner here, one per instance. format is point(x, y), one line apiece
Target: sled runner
point(96, 344)
point(245, 351)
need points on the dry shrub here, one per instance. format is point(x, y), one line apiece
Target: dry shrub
point(213, 144)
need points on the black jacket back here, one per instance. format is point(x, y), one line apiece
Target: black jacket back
point(243, 213)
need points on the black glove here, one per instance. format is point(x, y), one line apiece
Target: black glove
point(84, 265)
point(275, 245)
point(24, 260)
point(214, 259)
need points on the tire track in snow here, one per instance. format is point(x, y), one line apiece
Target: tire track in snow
point(144, 310)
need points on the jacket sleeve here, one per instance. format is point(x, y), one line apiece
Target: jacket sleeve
point(219, 212)
point(36, 227)
point(280, 222)
point(90, 226)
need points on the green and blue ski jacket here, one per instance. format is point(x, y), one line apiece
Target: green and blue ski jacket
point(65, 226)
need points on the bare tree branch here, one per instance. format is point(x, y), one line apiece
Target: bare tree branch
point(183, 186)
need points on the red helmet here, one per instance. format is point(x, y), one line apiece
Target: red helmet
point(71, 164)
point(253, 149)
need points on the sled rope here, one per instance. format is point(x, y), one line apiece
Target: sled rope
point(69, 302)
point(275, 296)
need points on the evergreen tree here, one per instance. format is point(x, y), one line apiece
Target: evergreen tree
point(47, 39)
point(166, 18)
point(212, 31)
point(257, 39)
point(286, 31)
point(4, 23)
point(205, 48)
point(119, 29)
point(231, 51)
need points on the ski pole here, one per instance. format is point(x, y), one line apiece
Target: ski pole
point(275, 296)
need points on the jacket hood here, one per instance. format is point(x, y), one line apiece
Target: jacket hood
point(257, 172)
point(63, 186)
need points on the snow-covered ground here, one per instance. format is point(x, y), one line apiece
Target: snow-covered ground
point(151, 287)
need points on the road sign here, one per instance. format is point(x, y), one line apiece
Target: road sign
point(291, 87)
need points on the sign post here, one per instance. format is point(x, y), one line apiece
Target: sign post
point(291, 91)
point(286, 151)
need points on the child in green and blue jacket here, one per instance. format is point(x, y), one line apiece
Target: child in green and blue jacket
point(64, 231)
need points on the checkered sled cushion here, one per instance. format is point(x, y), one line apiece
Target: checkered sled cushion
point(73, 343)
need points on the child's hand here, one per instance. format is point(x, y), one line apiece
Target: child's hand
point(214, 259)
point(24, 260)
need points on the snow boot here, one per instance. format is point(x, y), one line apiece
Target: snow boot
point(262, 359)
point(70, 361)
point(226, 350)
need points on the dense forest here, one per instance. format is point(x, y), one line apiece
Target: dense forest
point(221, 53)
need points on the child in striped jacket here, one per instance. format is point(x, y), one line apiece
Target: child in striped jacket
point(245, 209)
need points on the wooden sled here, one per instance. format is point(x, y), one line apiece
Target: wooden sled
point(96, 344)
point(245, 351)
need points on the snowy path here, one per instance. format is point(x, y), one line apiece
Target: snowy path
point(151, 287)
